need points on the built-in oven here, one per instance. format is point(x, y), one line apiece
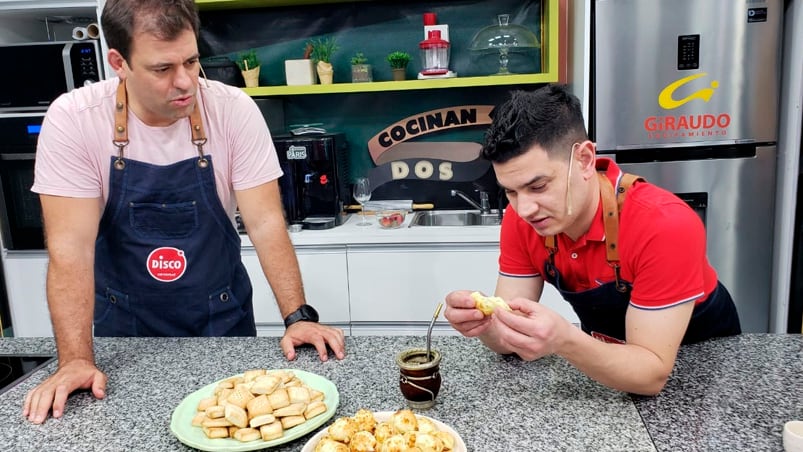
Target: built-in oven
point(20, 210)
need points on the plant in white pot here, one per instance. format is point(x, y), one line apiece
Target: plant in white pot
point(322, 51)
point(301, 71)
point(360, 69)
point(249, 66)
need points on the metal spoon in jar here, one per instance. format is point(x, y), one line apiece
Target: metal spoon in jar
point(429, 330)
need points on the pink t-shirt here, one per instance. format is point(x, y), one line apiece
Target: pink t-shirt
point(75, 143)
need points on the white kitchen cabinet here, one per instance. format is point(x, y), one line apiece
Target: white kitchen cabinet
point(39, 5)
point(25, 285)
point(405, 283)
point(52, 20)
point(394, 289)
point(364, 289)
point(324, 274)
point(323, 271)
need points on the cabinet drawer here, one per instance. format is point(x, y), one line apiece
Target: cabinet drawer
point(405, 284)
point(323, 272)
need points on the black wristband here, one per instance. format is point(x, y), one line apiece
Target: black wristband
point(305, 312)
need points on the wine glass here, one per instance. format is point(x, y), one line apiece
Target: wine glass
point(362, 193)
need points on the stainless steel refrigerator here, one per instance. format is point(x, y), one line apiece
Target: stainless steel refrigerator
point(685, 94)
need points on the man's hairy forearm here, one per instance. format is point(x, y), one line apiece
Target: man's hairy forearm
point(70, 296)
point(625, 367)
point(280, 266)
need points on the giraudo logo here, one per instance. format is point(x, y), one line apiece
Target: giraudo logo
point(691, 126)
point(167, 264)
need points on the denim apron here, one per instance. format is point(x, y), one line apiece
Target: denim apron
point(602, 310)
point(167, 257)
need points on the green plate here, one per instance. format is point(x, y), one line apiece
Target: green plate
point(181, 421)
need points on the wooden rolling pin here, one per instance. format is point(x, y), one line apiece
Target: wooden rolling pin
point(393, 204)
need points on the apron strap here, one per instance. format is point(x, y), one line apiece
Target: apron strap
point(626, 181)
point(611, 207)
point(610, 217)
point(198, 136)
point(121, 131)
point(120, 124)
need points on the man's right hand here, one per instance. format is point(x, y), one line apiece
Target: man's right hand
point(462, 314)
point(53, 392)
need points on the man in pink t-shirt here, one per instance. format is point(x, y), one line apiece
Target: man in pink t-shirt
point(628, 256)
point(139, 177)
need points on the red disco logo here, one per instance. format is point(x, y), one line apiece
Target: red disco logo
point(166, 264)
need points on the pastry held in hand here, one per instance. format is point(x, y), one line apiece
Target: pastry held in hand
point(488, 304)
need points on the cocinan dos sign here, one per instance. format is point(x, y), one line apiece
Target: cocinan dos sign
point(425, 123)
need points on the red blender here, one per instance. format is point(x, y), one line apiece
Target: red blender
point(434, 56)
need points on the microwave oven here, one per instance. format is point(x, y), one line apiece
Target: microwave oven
point(37, 73)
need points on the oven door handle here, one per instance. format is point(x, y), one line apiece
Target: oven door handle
point(31, 156)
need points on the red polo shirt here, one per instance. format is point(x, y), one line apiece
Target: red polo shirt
point(662, 249)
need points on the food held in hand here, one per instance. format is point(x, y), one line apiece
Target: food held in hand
point(390, 219)
point(488, 304)
point(259, 404)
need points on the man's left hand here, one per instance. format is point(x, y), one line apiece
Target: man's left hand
point(531, 330)
point(318, 335)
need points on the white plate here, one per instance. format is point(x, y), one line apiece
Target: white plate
point(382, 416)
point(181, 422)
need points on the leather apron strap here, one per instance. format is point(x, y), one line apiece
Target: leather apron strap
point(611, 207)
point(121, 128)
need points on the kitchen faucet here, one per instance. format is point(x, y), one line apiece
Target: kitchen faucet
point(484, 205)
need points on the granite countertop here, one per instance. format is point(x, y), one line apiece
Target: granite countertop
point(726, 394)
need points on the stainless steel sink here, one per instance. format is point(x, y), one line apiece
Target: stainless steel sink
point(454, 218)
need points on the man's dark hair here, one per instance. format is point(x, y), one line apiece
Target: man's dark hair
point(550, 117)
point(164, 18)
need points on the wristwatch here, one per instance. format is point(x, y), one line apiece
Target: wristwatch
point(305, 312)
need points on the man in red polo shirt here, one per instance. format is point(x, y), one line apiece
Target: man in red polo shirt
point(629, 257)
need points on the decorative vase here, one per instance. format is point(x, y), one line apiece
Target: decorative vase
point(399, 73)
point(299, 72)
point(251, 77)
point(361, 73)
point(325, 72)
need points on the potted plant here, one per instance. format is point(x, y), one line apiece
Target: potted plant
point(398, 64)
point(360, 69)
point(301, 71)
point(322, 51)
point(249, 65)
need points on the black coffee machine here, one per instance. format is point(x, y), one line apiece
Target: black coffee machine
point(315, 182)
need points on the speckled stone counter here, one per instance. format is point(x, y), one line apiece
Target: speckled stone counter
point(728, 394)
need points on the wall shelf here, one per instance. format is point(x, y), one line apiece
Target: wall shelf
point(457, 82)
point(550, 60)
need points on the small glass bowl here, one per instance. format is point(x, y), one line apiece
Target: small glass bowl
point(390, 219)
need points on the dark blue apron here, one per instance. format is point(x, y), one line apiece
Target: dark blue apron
point(167, 257)
point(602, 310)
